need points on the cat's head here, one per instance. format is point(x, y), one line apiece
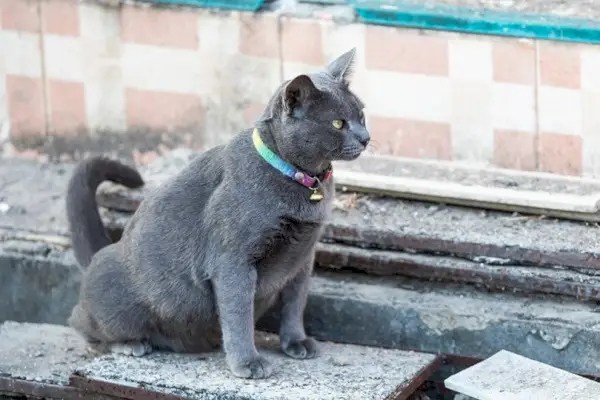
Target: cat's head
point(318, 119)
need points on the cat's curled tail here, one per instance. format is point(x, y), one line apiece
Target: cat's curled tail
point(88, 233)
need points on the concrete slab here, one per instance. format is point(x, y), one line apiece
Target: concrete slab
point(40, 352)
point(509, 376)
point(340, 372)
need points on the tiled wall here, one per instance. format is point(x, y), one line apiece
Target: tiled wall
point(80, 76)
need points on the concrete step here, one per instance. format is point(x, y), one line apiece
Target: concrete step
point(509, 376)
point(393, 224)
point(52, 360)
point(39, 283)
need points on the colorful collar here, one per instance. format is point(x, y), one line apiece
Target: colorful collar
point(311, 182)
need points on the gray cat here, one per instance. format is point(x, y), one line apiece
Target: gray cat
point(207, 253)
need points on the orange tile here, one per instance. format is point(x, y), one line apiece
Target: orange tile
point(252, 111)
point(560, 154)
point(160, 110)
point(301, 41)
point(515, 150)
point(20, 15)
point(25, 106)
point(61, 17)
point(67, 107)
point(513, 61)
point(405, 51)
point(410, 138)
point(560, 64)
point(259, 35)
point(159, 27)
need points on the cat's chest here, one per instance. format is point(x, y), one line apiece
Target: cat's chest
point(285, 249)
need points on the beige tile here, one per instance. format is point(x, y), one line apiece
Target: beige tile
point(21, 15)
point(301, 41)
point(472, 129)
point(560, 153)
point(470, 59)
point(163, 110)
point(67, 107)
point(410, 138)
point(560, 110)
point(515, 150)
point(514, 61)
point(407, 51)
point(559, 64)
point(61, 17)
point(513, 107)
point(259, 35)
point(159, 27)
point(25, 102)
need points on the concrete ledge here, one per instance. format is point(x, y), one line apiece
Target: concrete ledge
point(56, 356)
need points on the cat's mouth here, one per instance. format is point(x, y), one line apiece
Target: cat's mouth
point(350, 153)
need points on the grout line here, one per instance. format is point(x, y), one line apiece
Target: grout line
point(280, 45)
point(536, 99)
point(44, 76)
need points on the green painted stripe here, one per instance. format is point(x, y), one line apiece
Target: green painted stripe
point(478, 21)
point(240, 5)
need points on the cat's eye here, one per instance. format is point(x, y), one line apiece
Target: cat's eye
point(337, 123)
point(362, 118)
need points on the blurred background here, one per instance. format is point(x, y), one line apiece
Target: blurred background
point(139, 78)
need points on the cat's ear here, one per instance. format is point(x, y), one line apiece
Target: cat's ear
point(297, 91)
point(341, 68)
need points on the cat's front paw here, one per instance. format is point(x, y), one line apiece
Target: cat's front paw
point(257, 368)
point(301, 349)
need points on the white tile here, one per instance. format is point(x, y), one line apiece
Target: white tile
point(560, 110)
point(591, 156)
point(219, 34)
point(471, 124)
point(470, 60)
point(105, 99)
point(591, 114)
point(293, 69)
point(101, 30)
point(509, 376)
point(513, 107)
point(420, 97)
point(64, 58)
point(165, 69)
point(339, 38)
point(590, 68)
point(20, 53)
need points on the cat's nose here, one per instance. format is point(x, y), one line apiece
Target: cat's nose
point(364, 141)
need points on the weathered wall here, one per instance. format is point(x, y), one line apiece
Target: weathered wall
point(80, 77)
